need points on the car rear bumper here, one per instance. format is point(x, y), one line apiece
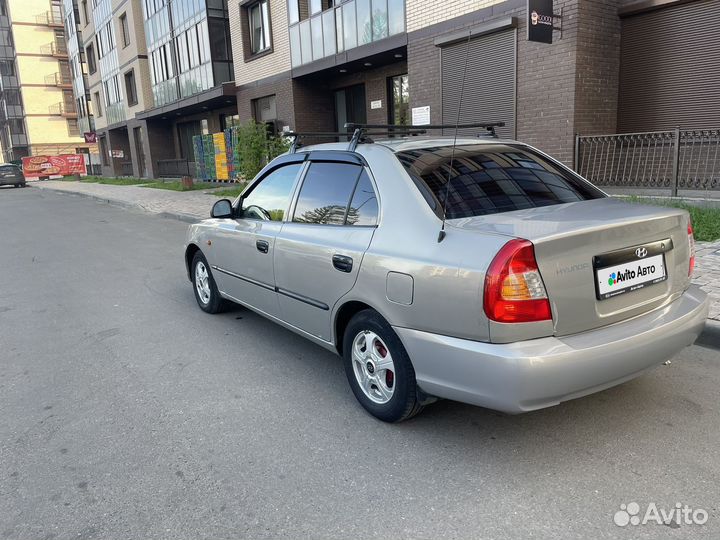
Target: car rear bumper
point(528, 375)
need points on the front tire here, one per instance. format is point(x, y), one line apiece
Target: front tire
point(378, 368)
point(206, 291)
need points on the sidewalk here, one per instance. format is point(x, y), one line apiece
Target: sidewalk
point(192, 206)
point(187, 206)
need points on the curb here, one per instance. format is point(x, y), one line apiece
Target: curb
point(186, 218)
point(710, 336)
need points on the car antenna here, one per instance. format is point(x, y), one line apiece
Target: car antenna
point(441, 234)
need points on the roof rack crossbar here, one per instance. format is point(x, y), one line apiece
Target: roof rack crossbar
point(404, 129)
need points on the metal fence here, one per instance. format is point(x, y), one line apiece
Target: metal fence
point(175, 168)
point(678, 159)
point(126, 168)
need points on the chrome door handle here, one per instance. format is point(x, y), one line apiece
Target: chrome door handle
point(342, 263)
point(262, 246)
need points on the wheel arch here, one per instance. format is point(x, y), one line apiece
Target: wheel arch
point(342, 317)
point(190, 252)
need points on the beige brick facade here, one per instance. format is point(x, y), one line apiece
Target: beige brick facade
point(278, 61)
point(422, 13)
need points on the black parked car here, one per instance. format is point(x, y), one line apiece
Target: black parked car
point(11, 175)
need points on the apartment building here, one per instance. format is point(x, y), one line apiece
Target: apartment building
point(38, 114)
point(613, 65)
point(159, 72)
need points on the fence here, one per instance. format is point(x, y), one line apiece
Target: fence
point(126, 168)
point(678, 159)
point(175, 168)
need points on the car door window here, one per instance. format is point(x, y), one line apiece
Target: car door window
point(326, 193)
point(363, 208)
point(268, 201)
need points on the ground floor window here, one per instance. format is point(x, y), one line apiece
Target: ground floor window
point(350, 106)
point(264, 109)
point(399, 100)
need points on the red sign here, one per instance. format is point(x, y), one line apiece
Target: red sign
point(62, 165)
point(90, 136)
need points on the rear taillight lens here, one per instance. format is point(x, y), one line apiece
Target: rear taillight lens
point(691, 241)
point(514, 290)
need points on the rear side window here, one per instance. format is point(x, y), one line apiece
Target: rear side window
point(336, 194)
point(490, 179)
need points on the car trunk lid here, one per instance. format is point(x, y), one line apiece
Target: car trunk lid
point(575, 241)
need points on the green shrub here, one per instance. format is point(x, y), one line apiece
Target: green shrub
point(256, 149)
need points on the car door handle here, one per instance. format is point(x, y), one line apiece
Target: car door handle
point(262, 245)
point(342, 263)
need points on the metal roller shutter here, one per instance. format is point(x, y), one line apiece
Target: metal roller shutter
point(670, 68)
point(489, 93)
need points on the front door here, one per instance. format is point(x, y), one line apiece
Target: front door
point(319, 250)
point(243, 249)
point(350, 106)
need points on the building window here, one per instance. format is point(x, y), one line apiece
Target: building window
point(86, 20)
point(7, 68)
point(399, 98)
point(17, 126)
point(125, 30)
point(90, 56)
point(98, 105)
point(259, 19)
point(264, 109)
point(130, 88)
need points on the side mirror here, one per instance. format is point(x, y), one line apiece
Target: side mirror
point(222, 209)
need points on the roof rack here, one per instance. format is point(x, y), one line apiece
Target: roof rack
point(357, 136)
point(359, 133)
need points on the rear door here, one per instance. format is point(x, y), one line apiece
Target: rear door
point(319, 249)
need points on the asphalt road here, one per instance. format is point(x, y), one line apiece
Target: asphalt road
point(126, 412)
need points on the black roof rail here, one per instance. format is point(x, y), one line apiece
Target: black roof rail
point(357, 136)
point(395, 128)
point(296, 137)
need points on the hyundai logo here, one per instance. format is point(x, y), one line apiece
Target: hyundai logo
point(641, 252)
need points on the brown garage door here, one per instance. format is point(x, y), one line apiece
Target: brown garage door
point(670, 68)
point(489, 94)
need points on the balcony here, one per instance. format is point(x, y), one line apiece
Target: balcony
point(58, 49)
point(51, 18)
point(61, 80)
point(344, 27)
point(65, 110)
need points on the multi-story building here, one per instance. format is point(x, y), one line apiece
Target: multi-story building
point(614, 65)
point(38, 114)
point(159, 72)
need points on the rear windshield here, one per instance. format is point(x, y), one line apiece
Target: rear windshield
point(489, 179)
point(9, 168)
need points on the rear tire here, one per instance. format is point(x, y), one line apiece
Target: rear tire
point(379, 369)
point(206, 292)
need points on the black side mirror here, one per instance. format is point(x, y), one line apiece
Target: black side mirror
point(222, 209)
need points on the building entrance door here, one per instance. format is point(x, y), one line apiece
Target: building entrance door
point(350, 106)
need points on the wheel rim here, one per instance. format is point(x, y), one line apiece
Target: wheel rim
point(202, 283)
point(373, 367)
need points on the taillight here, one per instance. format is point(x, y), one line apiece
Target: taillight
point(691, 241)
point(514, 290)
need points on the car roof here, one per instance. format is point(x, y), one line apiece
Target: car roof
point(403, 144)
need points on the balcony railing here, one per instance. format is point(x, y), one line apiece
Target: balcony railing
point(349, 25)
point(50, 18)
point(55, 48)
point(61, 80)
point(63, 109)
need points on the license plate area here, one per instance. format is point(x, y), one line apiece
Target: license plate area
point(630, 269)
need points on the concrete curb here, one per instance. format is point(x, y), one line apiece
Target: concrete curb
point(710, 336)
point(186, 218)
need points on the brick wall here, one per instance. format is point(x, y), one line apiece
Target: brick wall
point(597, 76)
point(422, 13)
point(278, 61)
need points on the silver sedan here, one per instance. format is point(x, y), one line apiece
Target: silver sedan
point(489, 273)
